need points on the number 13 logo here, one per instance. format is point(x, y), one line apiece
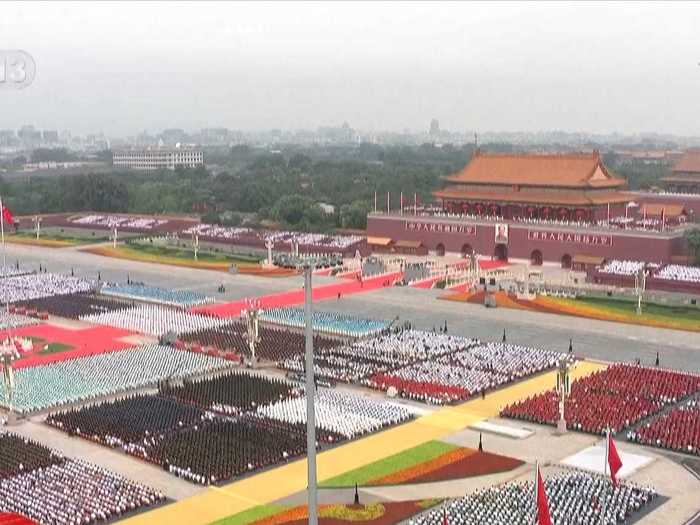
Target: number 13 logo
point(17, 69)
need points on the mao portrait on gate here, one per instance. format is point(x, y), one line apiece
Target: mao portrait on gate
point(501, 234)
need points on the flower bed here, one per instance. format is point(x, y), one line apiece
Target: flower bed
point(387, 513)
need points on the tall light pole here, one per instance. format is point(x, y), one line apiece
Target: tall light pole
point(640, 285)
point(251, 314)
point(37, 223)
point(310, 396)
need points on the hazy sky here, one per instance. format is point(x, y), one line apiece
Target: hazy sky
point(122, 68)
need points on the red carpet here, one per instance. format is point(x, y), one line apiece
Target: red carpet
point(14, 519)
point(294, 297)
point(491, 265)
point(87, 341)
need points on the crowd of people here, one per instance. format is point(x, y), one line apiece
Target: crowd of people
point(37, 285)
point(615, 398)
point(436, 383)
point(274, 344)
point(250, 237)
point(678, 429)
point(86, 378)
point(573, 496)
point(231, 393)
point(337, 412)
point(119, 221)
point(458, 375)
point(356, 361)
point(126, 421)
point(432, 367)
point(154, 294)
point(223, 449)
point(19, 454)
point(53, 490)
point(676, 272)
point(343, 325)
point(71, 306)
point(153, 319)
point(10, 320)
point(622, 267)
point(315, 261)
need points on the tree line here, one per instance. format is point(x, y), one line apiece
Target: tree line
point(245, 183)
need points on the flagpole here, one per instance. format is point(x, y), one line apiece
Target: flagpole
point(2, 230)
point(387, 203)
point(605, 473)
point(537, 479)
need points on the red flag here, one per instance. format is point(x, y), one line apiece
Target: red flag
point(7, 215)
point(614, 461)
point(543, 517)
point(444, 518)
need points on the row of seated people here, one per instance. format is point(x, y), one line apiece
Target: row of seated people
point(72, 306)
point(87, 378)
point(224, 449)
point(615, 398)
point(36, 285)
point(51, 489)
point(338, 412)
point(622, 267)
point(14, 320)
point(128, 420)
point(678, 429)
point(119, 221)
point(249, 235)
point(232, 392)
point(154, 320)
point(142, 292)
point(364, 358)
point(328, 322)
point(19, 454)
point(275, 344)
point(573, 497)
point(676, 272)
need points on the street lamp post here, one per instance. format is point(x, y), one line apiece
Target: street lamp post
point(37, 226)
point(563, 389)
point(251, 314)
point(310, 397)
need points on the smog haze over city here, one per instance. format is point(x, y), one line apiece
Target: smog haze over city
point(122, 68)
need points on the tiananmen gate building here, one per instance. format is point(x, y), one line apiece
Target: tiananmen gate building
point(541, 208)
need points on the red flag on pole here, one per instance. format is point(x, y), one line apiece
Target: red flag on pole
point(7, 215)
point(444, 518)
point(543, 517)
point(614, 461)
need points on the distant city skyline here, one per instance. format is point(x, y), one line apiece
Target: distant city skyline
point(120, 68)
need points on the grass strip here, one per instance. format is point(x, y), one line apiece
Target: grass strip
point(251, 515)
point(384, 467)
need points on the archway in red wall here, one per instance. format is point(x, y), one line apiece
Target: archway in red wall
point(440, 250)
point(566, 261)
point(501, 252)
point(467, 250)
point(536, 258)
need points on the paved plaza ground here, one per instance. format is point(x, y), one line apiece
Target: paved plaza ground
point(598, 340)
